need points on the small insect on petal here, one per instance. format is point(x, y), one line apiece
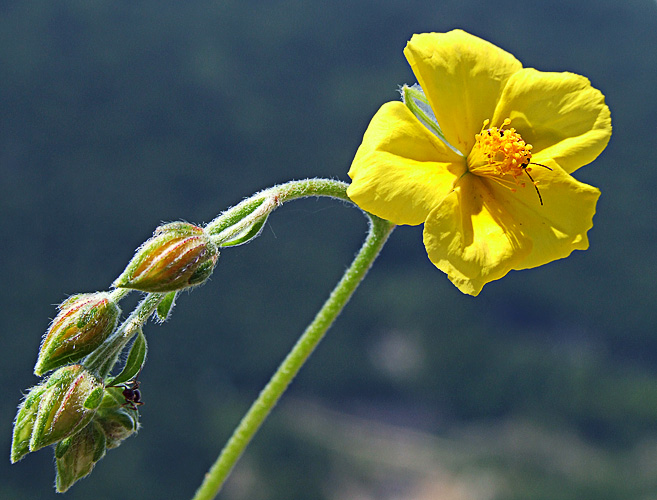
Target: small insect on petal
point(527, 169)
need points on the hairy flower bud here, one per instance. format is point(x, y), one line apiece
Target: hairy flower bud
point(83, 323)
point(76, 455)
point(70, 400)
point(179, 255)
point(24, 423)
point(117, 424)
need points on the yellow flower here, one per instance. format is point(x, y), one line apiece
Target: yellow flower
point(482, 155)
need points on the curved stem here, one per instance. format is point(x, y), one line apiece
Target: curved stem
point(237, 219)
point(379, 231)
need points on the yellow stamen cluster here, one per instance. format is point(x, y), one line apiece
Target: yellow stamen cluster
point(498, 152)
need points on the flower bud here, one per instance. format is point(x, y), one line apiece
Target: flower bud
point(83, 323)
point(76, 455)
point(178, 255)
point(24, 423)
point(117, 424)
point(72, 395)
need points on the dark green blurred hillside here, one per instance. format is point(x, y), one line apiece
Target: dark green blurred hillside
point(119, 115)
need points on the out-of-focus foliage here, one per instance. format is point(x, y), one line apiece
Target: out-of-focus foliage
point(117, 116)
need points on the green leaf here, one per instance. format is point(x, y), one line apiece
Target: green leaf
point(247, 235)
point(164, 308)
point(24, 424)
point(134, 362)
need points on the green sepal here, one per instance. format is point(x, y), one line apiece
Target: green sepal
point(117, 423)
point(418, 104)
point(24, 423)
point(165, 307)
point(100, 444)
point(77, 455)
point(226, 221)
point(62, 411)
point(133, 364)
point(415, 100)
point(113, 398)
point(93, 400)
point(247, 235)
point(203, 272)
point(63, 446)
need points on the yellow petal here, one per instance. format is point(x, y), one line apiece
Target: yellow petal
point(401, 170)
point(472, 237)
point(559, 114)
point(560, 225)
point(463, 77)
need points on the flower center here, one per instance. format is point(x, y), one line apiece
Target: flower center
point(498, 152)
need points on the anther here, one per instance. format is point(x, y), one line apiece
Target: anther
point(499, 152)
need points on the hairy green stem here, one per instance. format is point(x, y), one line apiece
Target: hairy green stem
point(237, 219)
point(103, 359)
point(379, 231)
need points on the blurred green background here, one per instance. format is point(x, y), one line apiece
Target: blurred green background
point(118, 115)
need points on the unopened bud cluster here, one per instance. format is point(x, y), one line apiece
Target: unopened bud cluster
point(73, 410)
point(76, 409)
point(76, 456)
point(61, 406)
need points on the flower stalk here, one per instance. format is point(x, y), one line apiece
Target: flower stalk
point(103, 359)
point(379, 230)
point(178, 256)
